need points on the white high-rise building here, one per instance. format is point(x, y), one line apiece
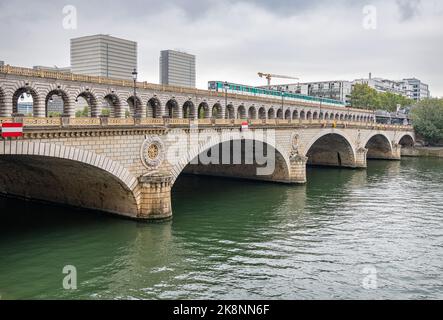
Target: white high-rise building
point(416, 90)
point(104, 56)
point(177, 68)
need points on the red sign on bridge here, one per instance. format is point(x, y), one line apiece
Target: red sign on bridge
point(12, 130)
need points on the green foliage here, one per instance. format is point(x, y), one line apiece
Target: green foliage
point(82, 113)
point(427, 118)
point(365, 97)
point(127, 114)
point(54, 114)
point(106, 112)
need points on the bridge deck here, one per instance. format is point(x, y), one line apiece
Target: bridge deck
point(57, 122)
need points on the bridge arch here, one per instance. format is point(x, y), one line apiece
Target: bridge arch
point(53, 110)
point(2, 100)
point(114, 107)
point(66, 175)
point(189, 110)
point(135, 111)
point(379, 147)
point(282, 162)
point(252, 113)
point(406, 140)
point(230, 112)
point(153, 109)
point(331, 148)
point(241, 112)
point(19, 93)
point(262, 113)
point(217, 111)
point(203, 111)
point(288, 114)
point(91, 109)
point(172, 109)
point(271, 113)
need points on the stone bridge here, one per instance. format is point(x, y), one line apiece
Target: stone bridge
point(128, 165)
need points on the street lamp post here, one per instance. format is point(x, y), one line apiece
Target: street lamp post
point(226, 87)
point(134, 76)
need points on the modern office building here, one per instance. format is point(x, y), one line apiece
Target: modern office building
point(177, 68)
point(416, 90)
point(104, 56)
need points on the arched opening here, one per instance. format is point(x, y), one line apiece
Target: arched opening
point(188, 110)
point(252, 113)
point(262, 113)
point(331, 116)
point(279, 114)
point(309, 115)
point(295, 114)
point(315, 115)
point(134, 110)
point(288, 114)
point(2, 99)
point(24, 102)
point(153, 109)
point(379, 147)
point(241, 112)
point(230, 113)
point(342, 117)
point(172, 109)
point(271, 113)
point(203, 111)
point(337, 116)
point(406, 141)
point(112, 107)
point(86, 105)
point(331, 150)
point(236, 158)
point(55, 103)
point(217, 111)
point(326, 116)
point(303, 115)
point(66, 182)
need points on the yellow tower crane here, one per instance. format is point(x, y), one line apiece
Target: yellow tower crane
point(269, 76)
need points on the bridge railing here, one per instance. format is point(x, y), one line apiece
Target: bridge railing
point(59, 122)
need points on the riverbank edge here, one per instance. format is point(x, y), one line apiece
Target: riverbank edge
point(434, 152)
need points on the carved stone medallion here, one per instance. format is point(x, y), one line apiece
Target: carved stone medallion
point(152, 152)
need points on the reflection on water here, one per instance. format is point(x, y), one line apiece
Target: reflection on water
point(233, 239)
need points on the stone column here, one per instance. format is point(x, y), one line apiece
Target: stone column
point(297, 172)
point(6, 106)
point(155, 196)
point(360, 158)
point(396, 151)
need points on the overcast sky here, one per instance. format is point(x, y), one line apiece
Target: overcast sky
point(233, 40)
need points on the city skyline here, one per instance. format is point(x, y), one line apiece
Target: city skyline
point(311, 40)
